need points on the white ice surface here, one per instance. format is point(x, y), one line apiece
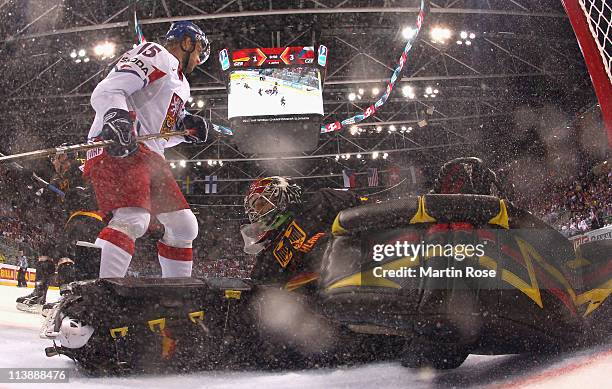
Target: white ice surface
point(592, 368)
point(248, 102)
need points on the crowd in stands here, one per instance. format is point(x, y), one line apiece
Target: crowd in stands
point(583, 205)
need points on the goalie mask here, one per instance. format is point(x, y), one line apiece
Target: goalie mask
point(268, 204)
point(268, 197)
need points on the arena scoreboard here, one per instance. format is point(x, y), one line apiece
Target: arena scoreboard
point(273, 56)
point(275, 97)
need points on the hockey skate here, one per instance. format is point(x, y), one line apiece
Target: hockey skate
point(65, 275)
point(33, 302)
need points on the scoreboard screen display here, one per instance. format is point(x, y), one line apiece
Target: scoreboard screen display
point(275, 97)
point(273, 56)
point(292, 90)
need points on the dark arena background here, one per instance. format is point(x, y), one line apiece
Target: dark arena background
point(523, 85)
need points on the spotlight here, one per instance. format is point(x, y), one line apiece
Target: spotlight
point(392, 128)
point(220, 163)
point(375, 91)
point(78, 60)
point(385, 155)
point(429, 90)
point(408, 91)
point(182, 163)
point(190, 99)
point(172, 165)
point(81, 53)
point(86, 59)
point(361, 91)
point(379, 129)
point(105, 50)
point(354, 130)
point(199, 163)
point(200, 103)
point(440, 34)
point(351, 96)
point(375, 155)
point(210, 162)
point(337, 157)
point(403, 129)
point(464, 38)
point(347, 156)
point(73, 54)
point(408, 33)
point(358, 156)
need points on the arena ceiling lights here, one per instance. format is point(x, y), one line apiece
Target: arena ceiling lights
point(105, 50)
point(440, 35)
point(466, 38)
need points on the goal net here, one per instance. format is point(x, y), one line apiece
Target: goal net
point(592, 24)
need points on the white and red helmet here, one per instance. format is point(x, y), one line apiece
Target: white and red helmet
point(267, 197)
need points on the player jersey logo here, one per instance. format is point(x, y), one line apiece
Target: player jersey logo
point(293, 241)
point(174, 108)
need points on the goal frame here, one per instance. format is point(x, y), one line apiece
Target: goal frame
point(592, 57)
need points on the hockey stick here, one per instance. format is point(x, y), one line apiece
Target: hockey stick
point(79, 147)
point(37, 178)
point(49, 186)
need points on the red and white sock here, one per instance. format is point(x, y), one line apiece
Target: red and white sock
point(117, 251)
point(175, 261)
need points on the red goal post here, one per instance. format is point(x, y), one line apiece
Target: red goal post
point(592, 24)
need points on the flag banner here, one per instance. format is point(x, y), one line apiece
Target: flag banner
point(372, 176)
point(187, 186)
point(394, 175)
point(349, 178)
point(210, 184)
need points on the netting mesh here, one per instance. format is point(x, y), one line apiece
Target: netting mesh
point(599, 16)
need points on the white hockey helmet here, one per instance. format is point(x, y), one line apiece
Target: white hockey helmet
point(73, 334)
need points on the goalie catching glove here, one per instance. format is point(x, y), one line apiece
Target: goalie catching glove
point(197, 128)
point(119, 127)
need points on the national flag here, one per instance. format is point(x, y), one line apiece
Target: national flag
point(372, 176)
point(210, 184)
point(349, 178)
point(394, 175)
point(187, 186)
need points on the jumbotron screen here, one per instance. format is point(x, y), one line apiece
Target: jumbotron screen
point(275, 91)
point(275, 97)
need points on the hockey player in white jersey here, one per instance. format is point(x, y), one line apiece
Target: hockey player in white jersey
point(145, 94)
